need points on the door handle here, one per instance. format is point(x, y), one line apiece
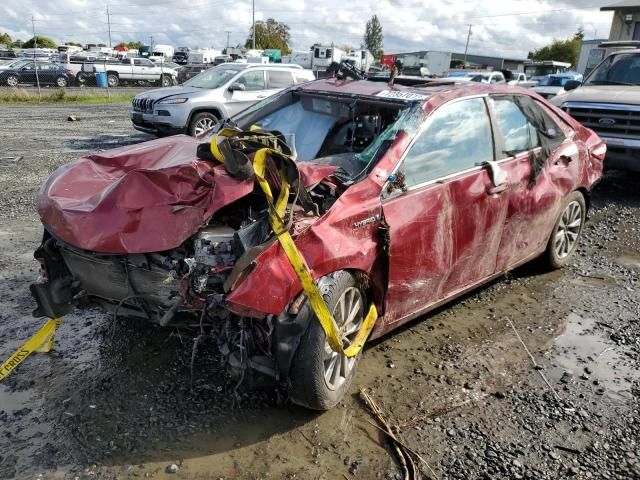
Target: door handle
point(498, 189)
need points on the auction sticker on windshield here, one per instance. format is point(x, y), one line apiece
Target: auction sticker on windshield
point(401, 95)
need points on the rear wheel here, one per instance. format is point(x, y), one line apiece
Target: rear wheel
point(112, 80)
point(201, 122)
point(566, 233)
point(320, 377)
point(12, 80)
point(82, 78)
point(61, 82)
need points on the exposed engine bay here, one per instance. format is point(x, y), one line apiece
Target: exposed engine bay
point(189, 282)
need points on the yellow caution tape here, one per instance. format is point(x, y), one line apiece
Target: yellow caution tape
point(318, 305)
point(42, 341)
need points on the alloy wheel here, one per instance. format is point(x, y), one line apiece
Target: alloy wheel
point(348, 314)
point(12, 81)
point(568, 230)
point(204, 125)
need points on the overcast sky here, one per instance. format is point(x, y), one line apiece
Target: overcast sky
point(508, 28)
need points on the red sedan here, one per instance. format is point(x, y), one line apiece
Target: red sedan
point(390, 202)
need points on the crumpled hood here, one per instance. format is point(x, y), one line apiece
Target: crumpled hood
point(144, 198)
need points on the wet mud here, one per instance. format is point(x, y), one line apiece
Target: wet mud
point(123, 399)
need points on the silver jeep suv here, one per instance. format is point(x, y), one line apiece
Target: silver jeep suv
point(217, 93)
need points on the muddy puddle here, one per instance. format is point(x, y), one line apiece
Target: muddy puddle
point(585, 353)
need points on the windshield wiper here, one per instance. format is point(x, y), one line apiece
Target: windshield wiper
point(609, 82)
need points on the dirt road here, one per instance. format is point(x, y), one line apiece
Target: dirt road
point(120, 400)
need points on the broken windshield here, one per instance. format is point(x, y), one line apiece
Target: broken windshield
point(321, 126)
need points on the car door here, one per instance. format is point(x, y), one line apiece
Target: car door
point(445, 224)
point(534, 201)
point(253, 82)
point(27, 73)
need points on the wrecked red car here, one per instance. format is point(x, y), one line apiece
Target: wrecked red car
point(412, 197)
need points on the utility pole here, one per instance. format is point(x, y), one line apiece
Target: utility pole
point(228, 33)
point(35, 63)
point(109, 24)
point(253, 15)
point(466, 48)
point(151, 45)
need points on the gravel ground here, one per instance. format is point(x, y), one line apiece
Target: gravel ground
point(119, 400)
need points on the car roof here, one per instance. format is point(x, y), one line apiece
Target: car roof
point(444, 90)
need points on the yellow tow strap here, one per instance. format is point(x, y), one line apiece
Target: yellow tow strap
point(42, 341)
point(276, 213)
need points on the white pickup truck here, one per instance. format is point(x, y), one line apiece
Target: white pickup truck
point(137, 70)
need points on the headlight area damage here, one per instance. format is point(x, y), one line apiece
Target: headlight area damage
point(142, 232)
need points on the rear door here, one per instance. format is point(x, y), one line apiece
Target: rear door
point(278, 80)
point(255, 89)
point(28, 73)
point(445, 227)
point(534, 200)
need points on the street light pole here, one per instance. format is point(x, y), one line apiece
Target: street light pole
point(253, 29)
point(466, 48)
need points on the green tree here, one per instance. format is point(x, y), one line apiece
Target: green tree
point(5, 39)
point(18, 44)
point(373, 37)
point(270, 34)
point(40, 42)
point(75, 44)
point(561, 50)
point(134, 45)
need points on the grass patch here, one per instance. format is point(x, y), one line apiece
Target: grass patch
point(61, 95)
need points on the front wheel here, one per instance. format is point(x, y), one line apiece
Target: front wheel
point(202, 122)
point(61, 82)
point(566, 233)
point(319, 377)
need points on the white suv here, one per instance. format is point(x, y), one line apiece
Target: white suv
point(219, 92)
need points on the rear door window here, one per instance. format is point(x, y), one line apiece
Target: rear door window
point(518, 133)
point(279, 79)
point(458, 138)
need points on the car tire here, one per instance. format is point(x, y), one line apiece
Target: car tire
point(82, 78)
point(112, 80)
point(12, 80)
point(566, 232)
point(201, 122)
point(61, 82)
point(166, 81)
point(319, 378)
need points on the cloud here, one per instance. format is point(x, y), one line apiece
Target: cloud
point(506, 28)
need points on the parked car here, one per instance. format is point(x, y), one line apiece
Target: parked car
point(189, 71)
point(48, 73)
point(217, 93)
point(551, 85)
point(481, 77)
point(136, 70)
point(17, 63)
point(609, 102)
point(220, 59)
point(400, 199)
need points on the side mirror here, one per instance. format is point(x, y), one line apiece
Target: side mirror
point(572, 85)
point(237, 86)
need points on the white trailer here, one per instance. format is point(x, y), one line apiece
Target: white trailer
point(325, 55)
point(206, 55)
point(361, 59)
point(429, 62)
point(302, 58)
